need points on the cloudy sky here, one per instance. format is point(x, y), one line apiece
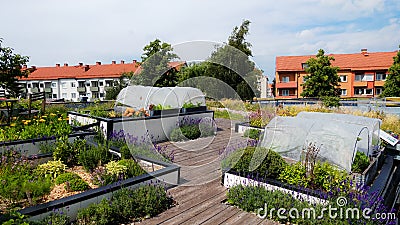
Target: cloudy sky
point(73, 31)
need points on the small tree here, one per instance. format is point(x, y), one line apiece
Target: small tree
point(322, 81)
point(119, 84)
point(11, 69)
point(155, 69)
point(392, 83)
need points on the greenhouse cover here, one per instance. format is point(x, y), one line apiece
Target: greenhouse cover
point(339, 137)
point(172, 97)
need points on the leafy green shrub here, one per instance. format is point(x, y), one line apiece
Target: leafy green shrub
point(252, 133)
point(77, 184)
point(206, 130)
point(51, 168)
point(360, 163)
point(47, 147)
point(14, 218)
point(68, 152)
point(56, 218)
point(125, 205)
point(115, 169)
point(133, 169)
point(101, 214)
point(94, 156)
point(125, 152)
point(295, 174)
point(177, 135)
point(62, 178)
point(328, 177)
point(240, 160)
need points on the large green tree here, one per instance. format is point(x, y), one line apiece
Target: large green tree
point(392, 83)
point(232, 65)
point(322, 81)
point(155, 68)
point(11, 69)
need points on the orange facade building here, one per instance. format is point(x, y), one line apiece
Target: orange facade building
point(361, 74)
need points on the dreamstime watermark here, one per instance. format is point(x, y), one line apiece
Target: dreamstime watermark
point(340, 212)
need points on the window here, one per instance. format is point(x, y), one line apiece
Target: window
point(101, 84)
point(81, 94)
point(285, 79)
point(95, 95)
point(101, 95)
point(378, 91)
point(95, 83)
point(363, 91)
point(304, 66)
point(54, 85)
point(369, 91)
point(54, 95)
point(344, 92)
point(29, 85)
point(41, 85)
point(73, 95)
point(63, 84)
point(81, 84)
point(380, 76)
point(64, 95)
point(368, 77)
point(285, 92)
point(343, 78)
point(73, 84)
point(88, 84)
point(359, 77)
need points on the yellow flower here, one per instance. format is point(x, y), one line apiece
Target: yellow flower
point(25, 123)
point(14, 118)
point(60, 119)
point(42, 120)
point(28, 121)
point(44, 116)
point(12, 125)
point(52, 114)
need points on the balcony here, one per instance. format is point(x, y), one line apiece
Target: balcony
point(35, 90)
point(94, 89)
point(81, 89)
point(48, 90)
point(291, 84)
point(107, 88)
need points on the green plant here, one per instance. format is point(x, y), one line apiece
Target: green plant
point(295, 174)
point(133, 169)
point(360, 163)
point(14, 218)
point(189, 104)
point(94, 156)
point(51, 168)
point(328, 177)
point(101, 214)
point(240, 161)
point(76, 184)
point(115, 169)
point(68, 152)
point(56, 218)
point(252, 133)
point(47, 147)
point(161, 107)
point(62, 178)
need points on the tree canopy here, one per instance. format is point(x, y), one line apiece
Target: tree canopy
point(391, 87)
point(11, 69)
point(155, 68)
point(322, 81)
point(230, 64)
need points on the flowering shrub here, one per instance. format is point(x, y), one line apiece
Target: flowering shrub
point(192, 128)
point(131, 146)
point(51, 125)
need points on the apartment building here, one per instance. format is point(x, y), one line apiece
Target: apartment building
point(361, 74)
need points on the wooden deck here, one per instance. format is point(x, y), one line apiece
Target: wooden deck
point(200, 195)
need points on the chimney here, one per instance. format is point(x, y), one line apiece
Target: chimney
point(58, 65)
point(134, 61)
point(98, 63)
point(86, 68)
point(80, 64)
point(25, 66)
point(364, 51)
point(34, 67)
point(113, 62)
point(122, 62)
point(65, 64)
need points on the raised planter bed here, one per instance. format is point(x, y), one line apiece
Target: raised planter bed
point(32, 146)
point(157, 127)
point(168, 174)
point(369, 174)
point(242, 127)
point(194, 109)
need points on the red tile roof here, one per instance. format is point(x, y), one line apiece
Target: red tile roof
point(177, 65)
point(81, 71)
point(356, 61)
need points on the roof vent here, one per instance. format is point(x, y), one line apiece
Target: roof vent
point(122, 62)
point(113, 62)
point(58, 65)
point(364, 51)
point(80, 64)
point(98, 63)
point(65, 64)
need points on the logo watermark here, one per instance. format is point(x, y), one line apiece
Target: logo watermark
point(340, 212)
